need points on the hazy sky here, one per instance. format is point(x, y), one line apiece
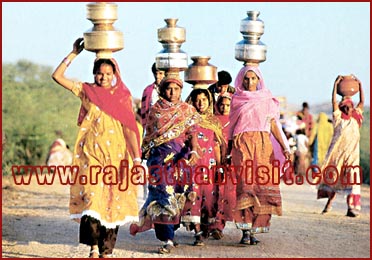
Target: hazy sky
point(308, 44)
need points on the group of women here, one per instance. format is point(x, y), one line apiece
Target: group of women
point(188, 141)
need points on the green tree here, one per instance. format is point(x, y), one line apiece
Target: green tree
point(365, 146)
point(34, 109)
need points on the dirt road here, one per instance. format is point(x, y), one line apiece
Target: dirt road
point(35, 223)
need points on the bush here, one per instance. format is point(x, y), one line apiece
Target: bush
point(365, 146)
point(34, 109)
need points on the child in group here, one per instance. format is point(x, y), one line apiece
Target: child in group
point(208, 145)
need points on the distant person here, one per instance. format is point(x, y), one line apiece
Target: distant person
point(151, 93)
point(302, 156)
point(292, 144)
point(222, 85)
point(344, 151)
point(59, 154)
point(107, 136)
point(320, 138)
point(304, 116)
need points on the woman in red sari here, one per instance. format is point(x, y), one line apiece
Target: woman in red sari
point(108, 136)
point(208, 146)
point(255, 140)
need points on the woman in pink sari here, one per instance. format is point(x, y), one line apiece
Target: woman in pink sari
point(255, 141)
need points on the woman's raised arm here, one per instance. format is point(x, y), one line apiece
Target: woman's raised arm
point(59, 74)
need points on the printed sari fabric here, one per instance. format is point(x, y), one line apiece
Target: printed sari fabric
point(253, 154)
point(164, 145)
point(101, 151)
point(167, 121)
point(211, 147)
point(203, 209)
point(257, 186)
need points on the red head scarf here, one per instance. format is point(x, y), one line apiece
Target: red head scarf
point(357, 116)
point(117, 104)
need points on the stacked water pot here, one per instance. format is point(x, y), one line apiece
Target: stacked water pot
point(171, 59)
point(103, 38)
point(251, 50)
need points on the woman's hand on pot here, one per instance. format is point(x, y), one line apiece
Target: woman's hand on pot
point(78, 46)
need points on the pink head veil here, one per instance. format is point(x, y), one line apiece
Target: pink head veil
point(250, 110)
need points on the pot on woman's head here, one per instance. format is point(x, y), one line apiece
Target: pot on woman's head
point(348, 86)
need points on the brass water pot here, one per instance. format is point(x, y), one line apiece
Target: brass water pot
point(201, 73)
point(251, 49)
point(103, 38)
point(171, 37)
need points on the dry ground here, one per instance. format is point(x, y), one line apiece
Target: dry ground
point(35, 223)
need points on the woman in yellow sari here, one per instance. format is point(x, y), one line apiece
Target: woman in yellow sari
point(102, 198)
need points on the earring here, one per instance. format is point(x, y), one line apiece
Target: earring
point(114, 81)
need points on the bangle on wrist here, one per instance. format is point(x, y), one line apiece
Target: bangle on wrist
point(137, 159)
point(194, 152)
point(66, 61)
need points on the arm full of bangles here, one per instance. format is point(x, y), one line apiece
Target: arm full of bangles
point(227, 158)
point(59, 73)
point(195, 149)
point(131, 138)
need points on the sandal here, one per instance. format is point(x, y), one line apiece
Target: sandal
point(166, 249)
point(198, 239)
point(254, 241)
point(198, 242)
point(94, 253)
point(216, 234)
point(326, 210)
point(352, 213)
point(245, 240)
point(107, 256)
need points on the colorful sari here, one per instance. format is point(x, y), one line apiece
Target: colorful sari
point(204, 209)
point(164, 147)
point(254, 146)
point(101, 144)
